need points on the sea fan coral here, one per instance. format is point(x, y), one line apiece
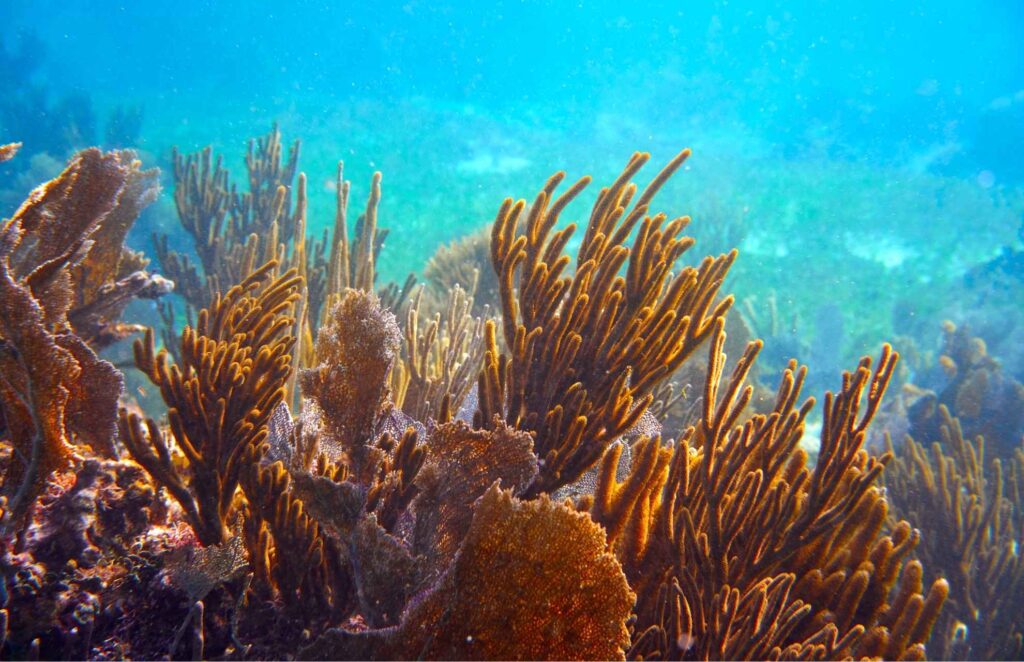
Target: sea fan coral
point(532, 580)
point(62, 288)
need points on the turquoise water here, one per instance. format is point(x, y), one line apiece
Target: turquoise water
point(865, 157)
point(869, 151)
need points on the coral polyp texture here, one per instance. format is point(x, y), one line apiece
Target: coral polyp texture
point(483, 467)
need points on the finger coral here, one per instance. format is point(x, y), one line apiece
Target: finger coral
point(738, 550)
point(227, 226)
point(301, 564)
point(971, 515)
point(235, 365)
point(586, 351)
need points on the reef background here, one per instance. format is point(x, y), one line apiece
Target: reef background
point(846, 146)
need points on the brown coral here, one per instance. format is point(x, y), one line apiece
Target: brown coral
point(302, 565)
point(987, 401)
point(348, 385)
point(586, 351)
point(231, 231)
point(235, 365)
point(463, 463)
point(440, 358)
point(59, 255)
point(738, 550)
point(971, 517)
point(532, 580)
point(8, 151)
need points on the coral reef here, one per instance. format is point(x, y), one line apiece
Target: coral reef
point(970, 382)
point(235, 365)
point(65, 277)
point(346, 473)
point(465, 263)
point(232, 232)
point(738, 550)
point(439, 360)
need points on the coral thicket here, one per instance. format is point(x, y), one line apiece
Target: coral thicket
point(479, 468)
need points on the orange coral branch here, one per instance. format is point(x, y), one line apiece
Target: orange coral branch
point(587, 350)
point(234, 369)
point(737, 549)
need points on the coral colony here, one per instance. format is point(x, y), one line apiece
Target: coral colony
point(499, 463)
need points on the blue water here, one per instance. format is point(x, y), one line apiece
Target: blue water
point(870, 148)
point(866, 157)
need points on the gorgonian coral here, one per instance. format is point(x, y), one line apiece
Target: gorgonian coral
point(62, 287)
point(586, 350)
point(235, 365)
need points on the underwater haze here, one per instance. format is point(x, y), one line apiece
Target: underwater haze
point(885, 137)
point(864, 158)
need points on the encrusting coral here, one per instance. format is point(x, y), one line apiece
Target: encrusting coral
point(376, 494)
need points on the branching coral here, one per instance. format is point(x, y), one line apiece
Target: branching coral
point(586, 351)
point(233, 231)
point(738, 550)
point(439, 360)
point(300, 563)
point(235, 366)
point(971, 518)
point(975, 389)
point(376, 522)
point(353, 260)
point(226, 226)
